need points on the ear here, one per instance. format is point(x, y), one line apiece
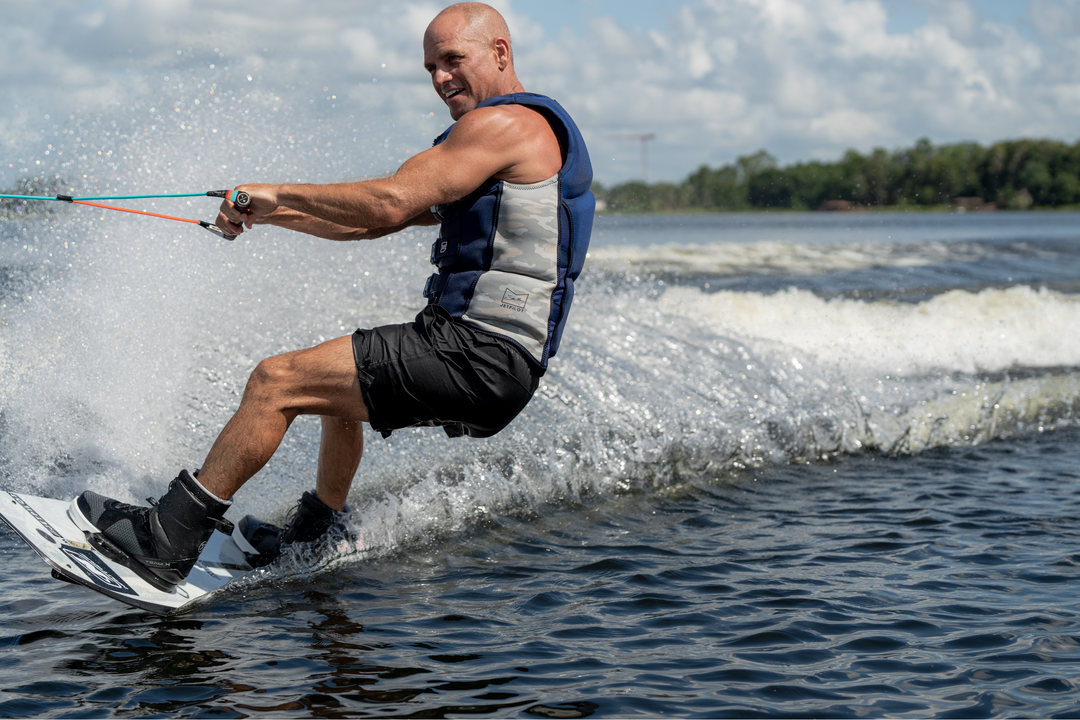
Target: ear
point(501, 47)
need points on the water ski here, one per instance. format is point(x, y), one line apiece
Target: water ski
point(45, 526)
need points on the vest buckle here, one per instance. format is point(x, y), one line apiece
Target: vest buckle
point(429, 286)
point(438, 249)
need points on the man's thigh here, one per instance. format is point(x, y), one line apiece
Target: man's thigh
point(320, 380)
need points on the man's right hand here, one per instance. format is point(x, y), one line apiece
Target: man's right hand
point(263, 202)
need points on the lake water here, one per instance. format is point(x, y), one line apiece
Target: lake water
point(783, 465)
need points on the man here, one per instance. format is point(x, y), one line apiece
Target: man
point(509, 184)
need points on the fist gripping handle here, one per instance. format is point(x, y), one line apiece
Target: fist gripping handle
point(242, 201)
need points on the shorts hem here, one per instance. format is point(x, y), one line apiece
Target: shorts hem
point(366, 379)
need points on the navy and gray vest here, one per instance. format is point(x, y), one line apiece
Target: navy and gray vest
point(508, 254)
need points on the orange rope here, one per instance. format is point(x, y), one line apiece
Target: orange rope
point(137, 212)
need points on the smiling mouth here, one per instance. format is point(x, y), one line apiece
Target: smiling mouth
point(451, 94)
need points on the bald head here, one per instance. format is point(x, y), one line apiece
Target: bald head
point(482, 23)
point(468, 53)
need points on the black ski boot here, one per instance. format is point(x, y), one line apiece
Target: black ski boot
point(160, 544)
point(309, 521)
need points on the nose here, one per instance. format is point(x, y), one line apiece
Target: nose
point(440, 76)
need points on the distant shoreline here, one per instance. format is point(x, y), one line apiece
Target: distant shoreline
point(1012, 174)
point(914, 209)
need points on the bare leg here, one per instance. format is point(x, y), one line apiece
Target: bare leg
point(339, 455)
point(317, 381)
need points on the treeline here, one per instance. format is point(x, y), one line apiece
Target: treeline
point(1014, 174)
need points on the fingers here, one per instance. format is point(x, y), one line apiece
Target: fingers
point(263, 201)
point(228, 225)
point(228, 213)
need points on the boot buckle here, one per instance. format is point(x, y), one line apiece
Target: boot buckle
point(222, 525)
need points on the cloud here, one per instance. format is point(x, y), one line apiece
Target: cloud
point(801, 78)
point(810, 79)
point(1053, 19)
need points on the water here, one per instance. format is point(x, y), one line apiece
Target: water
point(785, 464)
point(940, 584)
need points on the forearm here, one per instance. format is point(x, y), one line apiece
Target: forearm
point(372, 204)
point(289, 219)
point(297, 221)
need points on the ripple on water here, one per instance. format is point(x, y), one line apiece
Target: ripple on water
point(820, 593)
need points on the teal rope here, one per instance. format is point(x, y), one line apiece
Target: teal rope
point(108, 197)
point(139, 197)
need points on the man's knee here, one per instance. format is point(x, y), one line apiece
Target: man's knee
point(271, 378)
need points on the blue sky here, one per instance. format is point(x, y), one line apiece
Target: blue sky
point(712, 79)
point(906, 16)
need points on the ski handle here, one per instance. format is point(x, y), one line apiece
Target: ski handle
point(241, 199)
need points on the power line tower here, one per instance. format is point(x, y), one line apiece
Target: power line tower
point(644, 140)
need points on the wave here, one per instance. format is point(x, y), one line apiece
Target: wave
point(823, 258)
point(123, 352)
point(649, 394)
point(959, 331)
point(779, 257)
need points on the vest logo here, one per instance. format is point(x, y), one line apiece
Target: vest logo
point(514, 301)
point(100, 573)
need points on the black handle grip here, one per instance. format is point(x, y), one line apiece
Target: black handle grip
point(217, 231)
point(243, 201)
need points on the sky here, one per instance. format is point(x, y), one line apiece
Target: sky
point(711, 80)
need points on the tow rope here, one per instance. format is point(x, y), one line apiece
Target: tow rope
point(242, 200)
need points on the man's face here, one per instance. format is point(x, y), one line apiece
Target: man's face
point(464, 70)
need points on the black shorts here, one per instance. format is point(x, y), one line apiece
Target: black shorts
point(438, 371)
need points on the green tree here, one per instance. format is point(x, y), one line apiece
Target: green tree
point(1014, 173)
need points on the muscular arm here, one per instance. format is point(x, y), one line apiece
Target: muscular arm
point(509, 142)
point(289, 219)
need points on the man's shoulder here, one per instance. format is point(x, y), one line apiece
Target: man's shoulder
point(518, 142)
point(499, 120)
point(509, 111)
